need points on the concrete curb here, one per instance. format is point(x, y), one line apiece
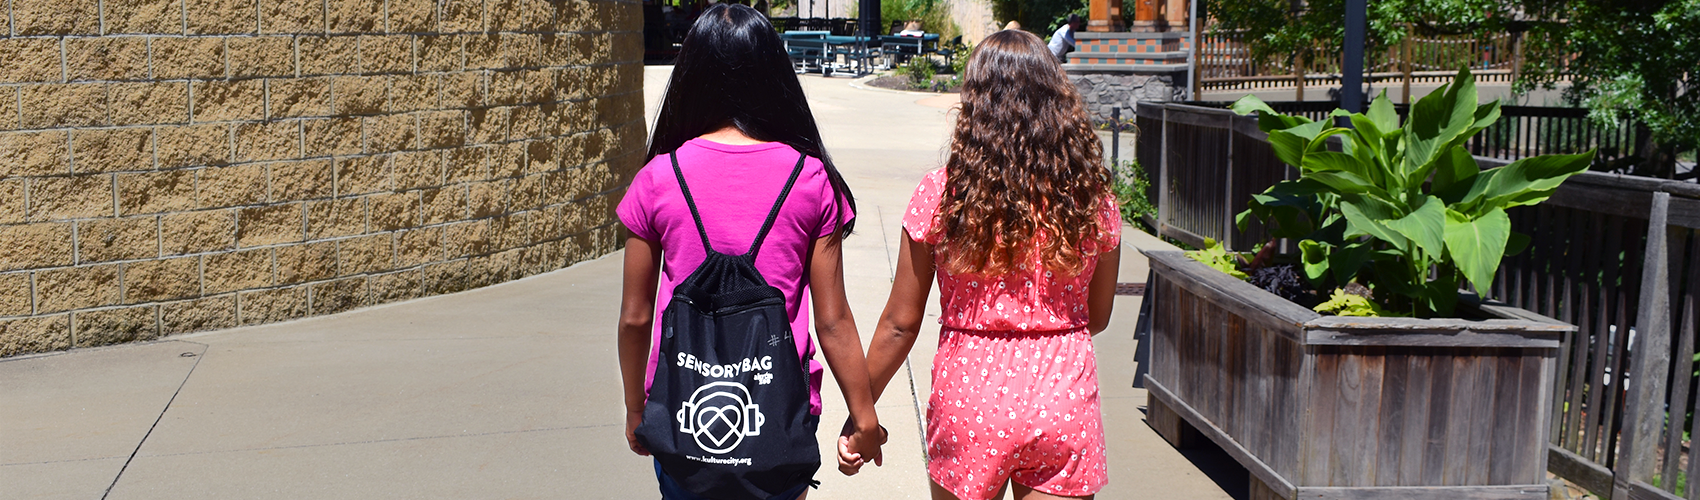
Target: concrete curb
point(376, 307)
point(860, 84)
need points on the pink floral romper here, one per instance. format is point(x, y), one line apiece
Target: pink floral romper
point(1015, 382)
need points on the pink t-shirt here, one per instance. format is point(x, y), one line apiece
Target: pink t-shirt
point(734, 187)
point(1029, 299)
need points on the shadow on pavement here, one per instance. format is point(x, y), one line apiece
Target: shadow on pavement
point(1217, 465)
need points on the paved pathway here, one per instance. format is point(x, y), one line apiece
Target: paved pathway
point(509, 391)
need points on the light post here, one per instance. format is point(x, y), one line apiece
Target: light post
point(1352, 67)
point(869, 18)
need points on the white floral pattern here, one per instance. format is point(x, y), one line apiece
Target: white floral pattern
point(1040, 427)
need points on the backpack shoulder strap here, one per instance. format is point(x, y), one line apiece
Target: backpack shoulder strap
point(696, 216)
point(772, 214)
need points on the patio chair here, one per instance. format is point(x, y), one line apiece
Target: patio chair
point(900, 49)
point(951, 49)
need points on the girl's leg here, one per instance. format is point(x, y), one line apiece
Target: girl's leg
point(939, 493)
point(1025, 493)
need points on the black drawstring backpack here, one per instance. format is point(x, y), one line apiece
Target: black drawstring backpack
point(728, 410)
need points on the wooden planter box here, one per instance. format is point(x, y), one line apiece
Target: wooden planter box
point(1335, 407)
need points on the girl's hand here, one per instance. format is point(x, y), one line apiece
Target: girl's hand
point(866, 443)
point(858, 447)
point(848, 463)
point(633, 419)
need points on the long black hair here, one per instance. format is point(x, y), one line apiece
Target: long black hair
point(733, 70)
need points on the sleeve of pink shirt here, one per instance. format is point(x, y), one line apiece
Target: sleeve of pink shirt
point(835, 209)
point(634, 209)
point(1112, 223)
point(923, 209)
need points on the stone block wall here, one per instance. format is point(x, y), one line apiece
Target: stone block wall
point(1104, 90)
point(171, 166)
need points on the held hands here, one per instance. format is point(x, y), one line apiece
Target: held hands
point(858, 446)
point(633, 419)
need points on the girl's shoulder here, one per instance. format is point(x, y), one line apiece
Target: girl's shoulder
point(931, 186)
point(922, 213)
point(652, 174)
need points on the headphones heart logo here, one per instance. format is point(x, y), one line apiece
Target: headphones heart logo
point(719, 415)
point(731, 415)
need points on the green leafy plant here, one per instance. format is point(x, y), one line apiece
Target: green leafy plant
point(1346, 304)
point(1403, 208)
point(1219, 258)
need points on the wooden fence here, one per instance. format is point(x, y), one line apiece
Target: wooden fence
point(1617, 256)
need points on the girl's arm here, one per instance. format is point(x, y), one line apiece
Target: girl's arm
point(637, 322)
point(901, 321)
point(841, 345)
point(898, 326)
point(1101, 297)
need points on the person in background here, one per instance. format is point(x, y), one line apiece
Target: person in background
point(1062, 42)
point(1013, 25)
point(913, 28)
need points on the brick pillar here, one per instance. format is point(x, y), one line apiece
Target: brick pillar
point(1104, 16)
point(1146, 16)
point(1175, 14)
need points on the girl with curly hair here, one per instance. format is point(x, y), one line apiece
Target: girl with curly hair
point(1024, 236)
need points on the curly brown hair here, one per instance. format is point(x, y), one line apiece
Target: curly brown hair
point(1024, 167)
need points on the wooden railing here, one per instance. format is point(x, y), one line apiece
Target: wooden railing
point(1206, 162)
point(1225, 62)
point(1617, 256)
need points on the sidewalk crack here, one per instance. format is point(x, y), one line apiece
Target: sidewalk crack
point(885, 237)
point(198, 357)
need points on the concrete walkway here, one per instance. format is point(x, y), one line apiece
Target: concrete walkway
point(510, 391)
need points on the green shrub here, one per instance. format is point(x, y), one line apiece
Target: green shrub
point(1039, 16)
point(1132, 185)
point(920, 71)
point(959, 65)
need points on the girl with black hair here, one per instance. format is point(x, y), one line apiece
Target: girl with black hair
point(733, 127)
